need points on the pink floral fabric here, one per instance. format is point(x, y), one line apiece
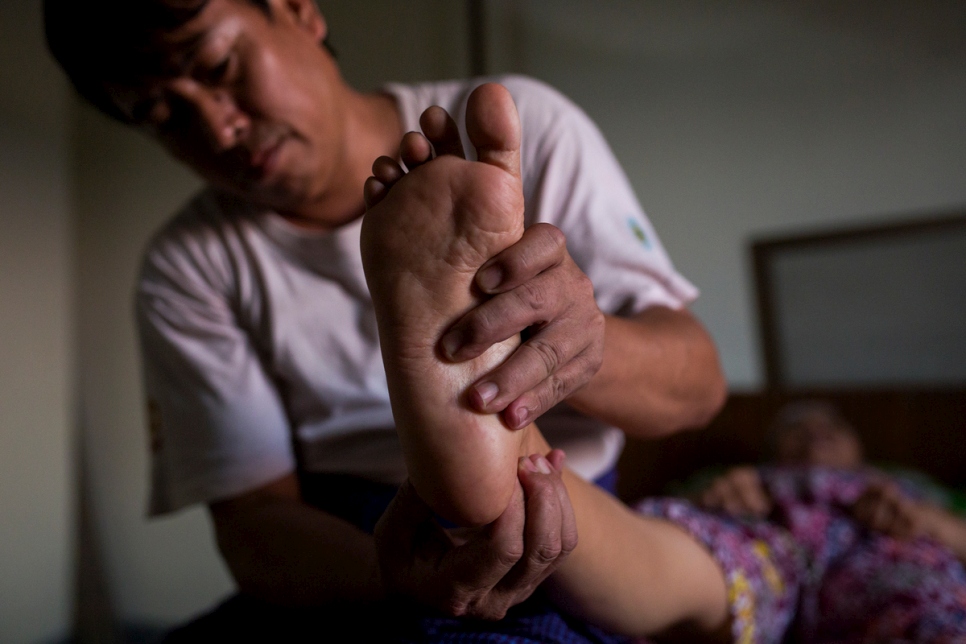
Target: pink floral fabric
point(811, 574)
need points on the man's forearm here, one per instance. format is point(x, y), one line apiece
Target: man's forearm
point(284, 551)
point(660, 374)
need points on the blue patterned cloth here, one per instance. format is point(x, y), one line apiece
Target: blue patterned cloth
point(362, 502)
point(535, 620)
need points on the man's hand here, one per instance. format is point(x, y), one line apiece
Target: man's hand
point(738, 492)
point(883, 507)
point(536, 288)
point(479, 573)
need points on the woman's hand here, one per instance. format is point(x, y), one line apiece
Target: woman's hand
point(738, 492)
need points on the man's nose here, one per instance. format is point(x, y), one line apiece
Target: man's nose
point(217, 115)
point(226, 125)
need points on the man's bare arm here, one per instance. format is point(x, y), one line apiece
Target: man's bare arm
point(660, 374)
point(650, 375)
point(284, 551)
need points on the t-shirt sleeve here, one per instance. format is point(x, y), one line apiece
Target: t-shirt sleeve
point(573, 181)
point(217, 424)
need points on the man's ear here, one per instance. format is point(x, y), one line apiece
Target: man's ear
point(306, 14)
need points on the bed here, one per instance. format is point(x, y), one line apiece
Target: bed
point(871, 317)
point(918, 428)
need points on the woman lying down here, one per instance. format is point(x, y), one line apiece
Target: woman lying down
point(840, 550)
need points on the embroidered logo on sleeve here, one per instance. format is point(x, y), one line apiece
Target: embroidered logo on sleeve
point(155, 426)
point(639, 232)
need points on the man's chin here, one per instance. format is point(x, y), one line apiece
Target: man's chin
point(269, 197)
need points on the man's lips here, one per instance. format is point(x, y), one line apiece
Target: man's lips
point(264, 161)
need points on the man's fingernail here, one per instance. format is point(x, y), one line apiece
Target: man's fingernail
point(520, 417)
point(541, 464)
point(487, 392)
point(490, 277)
point(528, 465)
point(451, 343)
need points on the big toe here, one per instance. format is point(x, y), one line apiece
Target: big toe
point(493, 126)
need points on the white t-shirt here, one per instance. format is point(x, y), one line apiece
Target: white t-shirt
point(259, 339)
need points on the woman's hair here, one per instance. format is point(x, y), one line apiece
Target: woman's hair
point(114, 41)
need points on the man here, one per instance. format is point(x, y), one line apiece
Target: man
point(258, 334)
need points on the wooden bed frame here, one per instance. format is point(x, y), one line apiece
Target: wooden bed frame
point(924, 429)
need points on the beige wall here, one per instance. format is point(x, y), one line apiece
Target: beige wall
point(36, 356)
point(382, 40)
point(156, 571)
point(741, 119)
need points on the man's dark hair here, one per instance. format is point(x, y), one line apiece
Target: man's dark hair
point(113, 41)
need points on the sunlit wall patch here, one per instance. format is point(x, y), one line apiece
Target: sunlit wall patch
point(638, 231)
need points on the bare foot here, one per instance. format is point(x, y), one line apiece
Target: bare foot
point(424, 236)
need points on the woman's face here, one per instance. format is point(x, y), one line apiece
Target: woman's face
point(819, 439)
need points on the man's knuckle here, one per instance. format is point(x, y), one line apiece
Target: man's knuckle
point(546, 352)
point(480, 328)
point(568, 542)
point(533, 295)
point(456, 605)
point(586, 364)
point(583, 282)
point(513, 263)
point(494, 612)
point(598, 324)
point(546, 553)
point(595, 357)
point(484, 606)
point(553, 238)
point(556, 389)
point(510, 554)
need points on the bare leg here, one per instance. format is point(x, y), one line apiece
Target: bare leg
point(425, 235)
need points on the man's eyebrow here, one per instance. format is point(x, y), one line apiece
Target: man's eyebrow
point(185, 53)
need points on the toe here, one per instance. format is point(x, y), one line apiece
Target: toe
point(442, 132)
point(373, 191)
point(415, 150)
point(387, 171)
point(493, 126)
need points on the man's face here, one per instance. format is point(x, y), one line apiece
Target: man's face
point(251, 101)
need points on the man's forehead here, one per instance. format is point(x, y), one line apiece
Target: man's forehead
point(169, 53)
point(169, 49)
point(166, 58)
